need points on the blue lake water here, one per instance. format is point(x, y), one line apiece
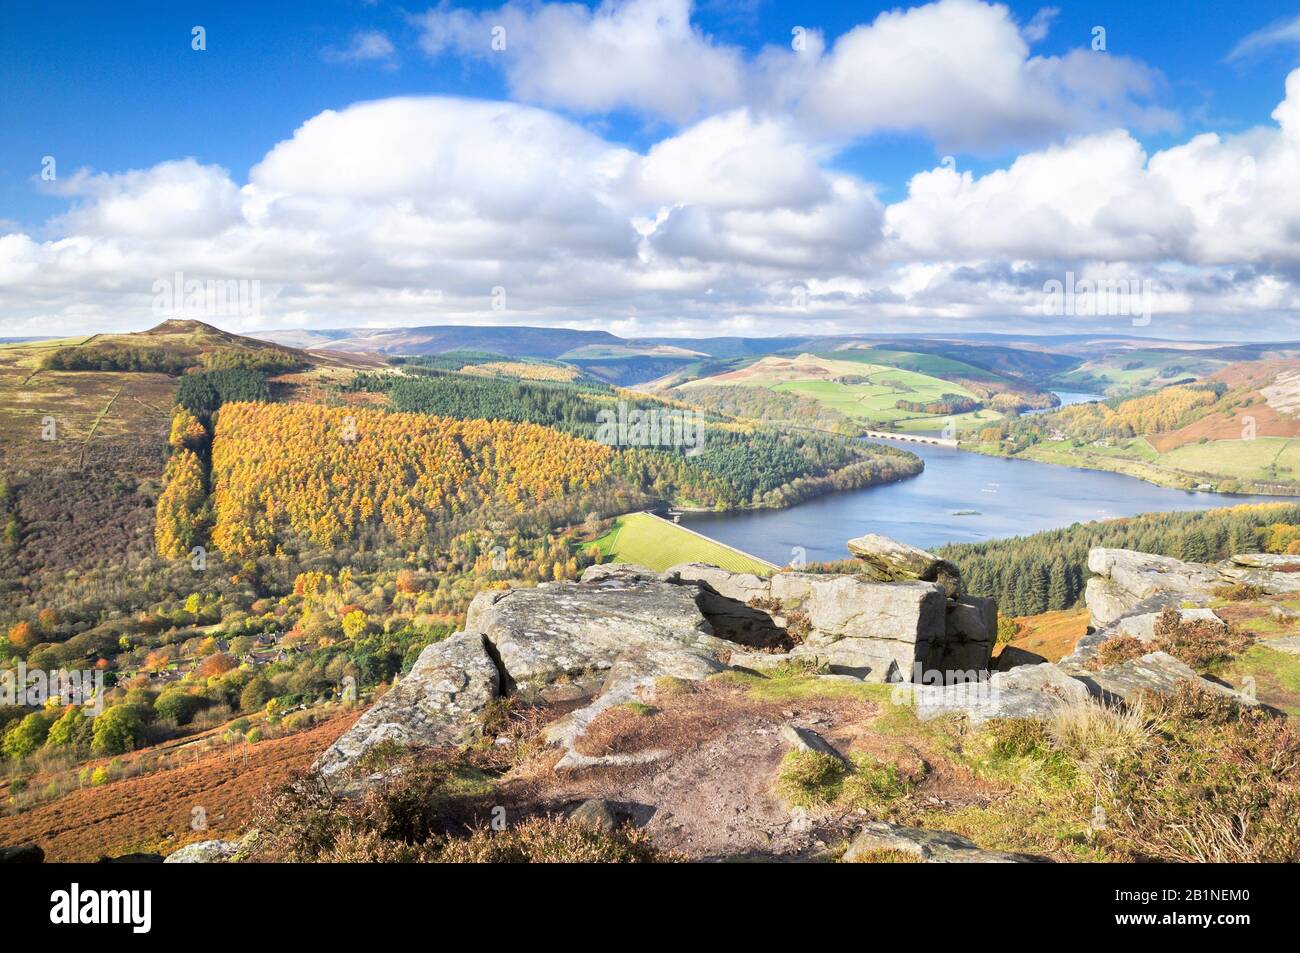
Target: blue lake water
point(1007, 497)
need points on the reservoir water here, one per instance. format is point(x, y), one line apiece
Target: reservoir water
point(960, 497)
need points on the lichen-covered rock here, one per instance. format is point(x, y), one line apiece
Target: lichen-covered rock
point(434, 705)
point(738, 606)
point(931, 847)
point(845, 607)
point(1124, 578)
point(627, 572)
point(864, 659)
point(1268, 581)
point(205, 852)
point(888, 560)
point(982, 700)
point(1283, 643)
point(876, 625)
point(1156, 672)
point(571, 630)
point(1043, 677)
point(1274, 561)
point(740, 586)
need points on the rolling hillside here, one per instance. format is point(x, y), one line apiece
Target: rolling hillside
point(898, 390)
point(1237, 431)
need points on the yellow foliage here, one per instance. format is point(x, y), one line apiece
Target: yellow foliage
point(324, 473)
point(180, 512)
point(187, 430)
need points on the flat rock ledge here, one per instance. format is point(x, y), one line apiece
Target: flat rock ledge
point(608, 638)
point(926, 846)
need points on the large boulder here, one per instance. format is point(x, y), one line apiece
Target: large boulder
point(981, 701)
point(1043, 677)
point(22, 854)
point(569, 631)
point(970, 632)
point(888, 560)
point(1289, 644)
point(738, 606)
point(738, 586)
point(1125, 578)
point(1012, 656)
point(879, 625)
point(1269, 581)
point(434, 705)
point(1142, 626)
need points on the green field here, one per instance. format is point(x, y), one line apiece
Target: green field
point(874, 399)
point(1269, 460)
point(964, 423)
point(657, 544)
point(865, 384)
point(1137, 370)
point(934, 365)
point(1266, 459)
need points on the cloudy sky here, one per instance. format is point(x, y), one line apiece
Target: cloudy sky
point(653, 167)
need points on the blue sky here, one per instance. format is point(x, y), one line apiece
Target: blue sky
point(109, 88)
point(116, 86)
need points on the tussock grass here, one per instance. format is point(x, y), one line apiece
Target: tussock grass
point(809, 779)
point(814, 779)
point(1094, 735)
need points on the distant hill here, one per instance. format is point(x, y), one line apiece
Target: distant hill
point(506, 341)
point(169, 348)
point(176, 345)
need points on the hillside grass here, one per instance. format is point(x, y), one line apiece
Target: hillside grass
point(657, 544)
point(1274, 675)
point(934, 365)
point(82, 404)
point(1239, 459)
point(1263, 460)
point(875, 399)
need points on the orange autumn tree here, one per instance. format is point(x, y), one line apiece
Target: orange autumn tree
point(217, 664)
point(23, 636)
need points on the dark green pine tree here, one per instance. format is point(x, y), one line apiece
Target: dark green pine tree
point(1196, 548)
point(1241, 538)
point(1022, 598)
point(1058, 585)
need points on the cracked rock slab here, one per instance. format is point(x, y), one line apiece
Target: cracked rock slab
point(433, 706)
point(564, 630)
point(1155, 672)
